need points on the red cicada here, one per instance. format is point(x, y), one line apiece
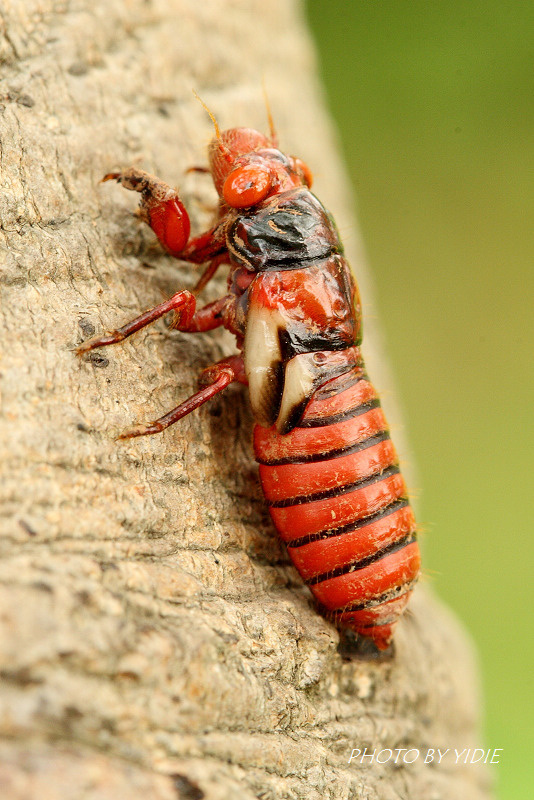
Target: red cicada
point(328, 468)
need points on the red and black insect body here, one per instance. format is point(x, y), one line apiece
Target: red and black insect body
point(327, 465)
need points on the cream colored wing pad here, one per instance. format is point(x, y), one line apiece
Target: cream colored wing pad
point(263, 362)
point(275, 393)
point(299, 386)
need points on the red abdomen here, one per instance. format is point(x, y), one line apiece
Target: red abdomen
point(340, 504)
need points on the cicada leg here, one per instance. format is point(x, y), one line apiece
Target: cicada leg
point(182, 302)
point(217, 377)
point(162, 209)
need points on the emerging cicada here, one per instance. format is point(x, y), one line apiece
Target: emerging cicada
point(328, 468)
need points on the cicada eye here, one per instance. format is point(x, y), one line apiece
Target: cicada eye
point(304, 171)
point(246, 186)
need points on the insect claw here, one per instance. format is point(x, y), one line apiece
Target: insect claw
point(84, 348)
point(197, 169)
point(99, 341)
point(111, 176)
point(131, 433)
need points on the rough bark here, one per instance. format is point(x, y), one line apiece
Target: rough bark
point(155, 641)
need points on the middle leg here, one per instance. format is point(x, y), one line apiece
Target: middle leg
point(182, 303)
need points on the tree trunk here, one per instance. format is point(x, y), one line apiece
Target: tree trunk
point(155, 641)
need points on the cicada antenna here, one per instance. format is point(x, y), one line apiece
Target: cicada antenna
point(218, 136)
point(211, 114)
point(272, 129)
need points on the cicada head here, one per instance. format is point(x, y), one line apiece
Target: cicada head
point(227, 149)
point(247, 168)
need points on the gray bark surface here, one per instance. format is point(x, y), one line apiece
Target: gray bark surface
point(154, 640)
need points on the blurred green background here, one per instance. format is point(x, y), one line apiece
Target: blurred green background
point(435, 106)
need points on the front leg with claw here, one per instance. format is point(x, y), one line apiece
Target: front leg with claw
point(162, 209)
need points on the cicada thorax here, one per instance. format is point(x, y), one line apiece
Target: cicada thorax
point(300, 307)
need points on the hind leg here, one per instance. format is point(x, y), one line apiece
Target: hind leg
point(215, 379)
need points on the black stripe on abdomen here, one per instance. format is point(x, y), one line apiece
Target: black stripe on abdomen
point(337, 490)
point(351, 526)
point(365, 562)
point(325, 456)
point(321, 422)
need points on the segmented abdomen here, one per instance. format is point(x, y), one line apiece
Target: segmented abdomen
point(340, 504)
